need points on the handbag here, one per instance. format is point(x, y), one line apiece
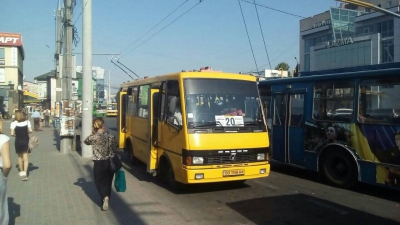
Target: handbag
point(33, 141)
point(115, 162)
point(119, 181)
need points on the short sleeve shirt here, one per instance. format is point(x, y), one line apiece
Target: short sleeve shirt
point(20, 124)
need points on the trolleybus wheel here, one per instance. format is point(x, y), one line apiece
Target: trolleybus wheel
point(339, 168)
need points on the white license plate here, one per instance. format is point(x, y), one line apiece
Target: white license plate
point(228, 173)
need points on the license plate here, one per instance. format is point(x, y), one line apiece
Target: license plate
point(227, 173)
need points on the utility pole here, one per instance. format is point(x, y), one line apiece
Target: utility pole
point(57, 56)
point(66, 141)
point(109, 91)
point(87, 99)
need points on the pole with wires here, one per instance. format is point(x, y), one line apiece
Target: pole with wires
point(87, 100)
point(66, 139)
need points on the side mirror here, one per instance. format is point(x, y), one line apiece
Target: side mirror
point(171, 124)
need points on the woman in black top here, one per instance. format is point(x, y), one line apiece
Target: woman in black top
point(20, 128)
point(103, 145)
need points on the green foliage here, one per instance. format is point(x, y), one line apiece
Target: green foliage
point(282, 65)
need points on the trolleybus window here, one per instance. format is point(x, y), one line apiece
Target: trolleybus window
point(379, 102)
point(333, 101)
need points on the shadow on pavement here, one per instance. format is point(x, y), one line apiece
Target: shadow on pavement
point(119, 207)
point(56, 138)
point(367, 189)
point(302, 209)
point(14, 210)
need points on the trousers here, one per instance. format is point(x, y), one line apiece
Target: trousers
point(103, 177)
point(4, 217)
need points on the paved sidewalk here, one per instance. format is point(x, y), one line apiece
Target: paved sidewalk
point(60, 190)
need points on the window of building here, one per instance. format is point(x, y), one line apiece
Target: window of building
point(387, 28)
point(378, 101)
point(307, 62)
point(367, 10)
point(1, 53)
point(389, 4)
point(387, 51)
point(333, 101)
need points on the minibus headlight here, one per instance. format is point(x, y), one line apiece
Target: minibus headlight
point(198, 160)
point(261, 156)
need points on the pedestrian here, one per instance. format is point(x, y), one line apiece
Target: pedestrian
point(36, 119)
point(103, 145)
point(5, 167)
point(46, 115)
point(20, 128)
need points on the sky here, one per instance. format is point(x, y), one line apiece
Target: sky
point(155, 37)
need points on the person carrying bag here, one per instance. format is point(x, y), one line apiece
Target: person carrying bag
point(103, 145)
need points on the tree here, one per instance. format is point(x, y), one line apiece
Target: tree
point(282, 65)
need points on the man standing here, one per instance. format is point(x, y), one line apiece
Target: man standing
point(46, 114)
point(36, 119)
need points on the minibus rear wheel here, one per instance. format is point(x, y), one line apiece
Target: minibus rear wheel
point(129, 151)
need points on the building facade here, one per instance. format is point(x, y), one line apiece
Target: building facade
point(11, 70)
point(98, 79)
point(350, 36)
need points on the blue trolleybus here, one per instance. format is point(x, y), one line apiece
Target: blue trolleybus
point(345, 125)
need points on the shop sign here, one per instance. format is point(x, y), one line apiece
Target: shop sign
point(10, 39)
point(322, 23)
point(338, 42)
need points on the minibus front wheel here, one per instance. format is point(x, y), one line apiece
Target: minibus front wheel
point(168, 176)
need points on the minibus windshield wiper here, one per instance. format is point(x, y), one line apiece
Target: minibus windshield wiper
point(252, 123)
point(216, 123)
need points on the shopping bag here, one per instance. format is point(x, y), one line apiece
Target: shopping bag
point(119, 181)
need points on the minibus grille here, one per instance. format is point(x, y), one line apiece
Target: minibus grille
point(225, 159)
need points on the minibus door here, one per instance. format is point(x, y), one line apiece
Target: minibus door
point(153, 136)
point(121, 117)
point(287, 128)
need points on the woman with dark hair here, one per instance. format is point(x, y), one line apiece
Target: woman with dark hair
point(20, 128)
point(104, 145)
point(5, 167)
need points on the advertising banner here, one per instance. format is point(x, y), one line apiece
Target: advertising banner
point(67, 121)
point(10, 39)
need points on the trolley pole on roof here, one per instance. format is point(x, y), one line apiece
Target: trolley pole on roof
point(87, 78)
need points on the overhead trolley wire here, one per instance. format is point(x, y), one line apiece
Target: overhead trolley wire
point(262, 34)
point(200, 1)
point(244, 21)
point(267, 7)
point(154, 26)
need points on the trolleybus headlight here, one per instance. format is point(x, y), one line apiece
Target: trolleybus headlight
point(261, 156)
point(198, 160)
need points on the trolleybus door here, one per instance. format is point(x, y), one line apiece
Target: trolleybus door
point(288, 127)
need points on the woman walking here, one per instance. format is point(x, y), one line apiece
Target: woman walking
point(5, 167)
point(104, 145)
point(20, 128)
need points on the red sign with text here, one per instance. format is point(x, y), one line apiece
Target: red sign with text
point(10, 39)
